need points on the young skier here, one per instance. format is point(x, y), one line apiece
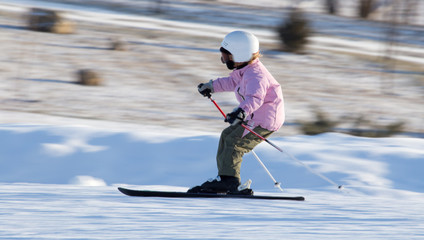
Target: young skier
point(261, 108)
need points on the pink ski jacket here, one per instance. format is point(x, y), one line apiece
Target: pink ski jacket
point(259, 94)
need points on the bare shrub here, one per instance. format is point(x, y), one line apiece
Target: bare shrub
point(117, 44)
point(321, 124)
point(89, 78)
point(366, 7)
point(365, 128)
point(331, 6)
point(45, 20)
point(361, 126)
point(294, 32)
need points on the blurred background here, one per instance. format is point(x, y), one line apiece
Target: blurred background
point(354, 66)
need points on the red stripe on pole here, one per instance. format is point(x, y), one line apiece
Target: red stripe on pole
point(222, 112)
point(246, 127)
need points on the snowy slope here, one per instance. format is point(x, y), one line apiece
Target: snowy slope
point(58, 175)
point(33, 211)
point(59, 182)
point(344, 73)
point(157, 156)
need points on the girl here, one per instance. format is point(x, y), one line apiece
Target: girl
point(261, 107)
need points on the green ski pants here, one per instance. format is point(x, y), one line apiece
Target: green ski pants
point(233, 145)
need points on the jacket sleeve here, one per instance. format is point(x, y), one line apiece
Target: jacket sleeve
point(225, 84)
point(256, 88)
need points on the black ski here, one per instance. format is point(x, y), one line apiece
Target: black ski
point(145, 193)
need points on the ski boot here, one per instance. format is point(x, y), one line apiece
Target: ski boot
point(243, 189)
point(221, 184)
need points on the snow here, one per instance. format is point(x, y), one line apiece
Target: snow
point(72, 212)
point(66, 148)
point(69, 191)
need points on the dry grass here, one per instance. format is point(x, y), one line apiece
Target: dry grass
point(154, 81)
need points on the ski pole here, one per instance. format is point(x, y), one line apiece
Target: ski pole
point(276, 184)
point(279, 149)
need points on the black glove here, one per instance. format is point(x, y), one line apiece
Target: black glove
point(205, 88)
point(235, 117)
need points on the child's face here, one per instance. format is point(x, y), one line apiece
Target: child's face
point(225, 57)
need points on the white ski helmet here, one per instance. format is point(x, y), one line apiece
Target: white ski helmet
point(241, 45)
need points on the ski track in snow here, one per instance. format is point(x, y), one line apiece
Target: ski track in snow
point(72, 212)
